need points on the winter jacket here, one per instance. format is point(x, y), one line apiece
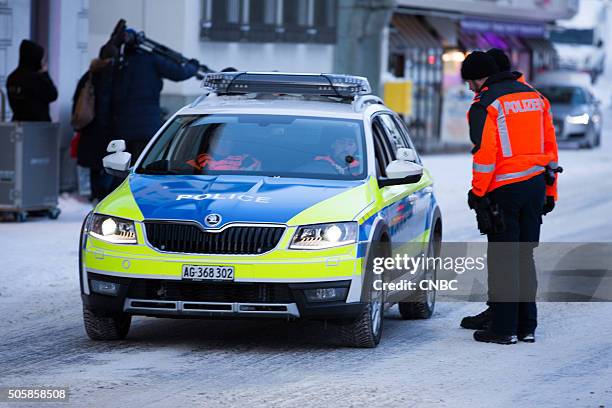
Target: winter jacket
point(97, 134)
point(137, 84)
point(512, 132)
point(30, 91)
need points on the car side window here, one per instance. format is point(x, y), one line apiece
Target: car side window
point(393, 133)
point(406, 136)
point(382, 152)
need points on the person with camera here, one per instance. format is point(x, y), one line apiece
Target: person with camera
point(137, 84)
point(514, 148)
point(30, 88)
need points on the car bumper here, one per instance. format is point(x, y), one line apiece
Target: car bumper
point(175, 298)
point(570, 132)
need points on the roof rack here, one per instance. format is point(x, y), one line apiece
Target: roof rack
point(328, 85)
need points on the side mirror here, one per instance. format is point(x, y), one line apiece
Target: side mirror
point(118, 163)
point(401, 172)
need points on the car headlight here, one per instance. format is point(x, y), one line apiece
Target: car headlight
point(113, 229)
point(578, 120)
point(321, 236)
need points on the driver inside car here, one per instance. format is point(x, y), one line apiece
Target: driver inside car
point(343, 149)
point(220, 156)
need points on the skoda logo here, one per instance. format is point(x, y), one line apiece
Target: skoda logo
point(212, 220)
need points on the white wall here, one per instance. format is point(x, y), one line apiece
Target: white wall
point(68, 60)
point(176, 24)
point(14, 27)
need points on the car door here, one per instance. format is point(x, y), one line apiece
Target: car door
point(415, 201)
point(424, 193)
point(399, 201)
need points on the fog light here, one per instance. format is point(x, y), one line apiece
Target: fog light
point(104, 288)
point(325, 294)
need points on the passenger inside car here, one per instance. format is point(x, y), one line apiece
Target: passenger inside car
point(222, 154)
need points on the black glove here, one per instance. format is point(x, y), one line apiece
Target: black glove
point(195, 62)
point(549, 205)
point(473, 200)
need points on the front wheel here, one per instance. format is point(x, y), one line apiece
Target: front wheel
point(106, 328)
point(366, 330)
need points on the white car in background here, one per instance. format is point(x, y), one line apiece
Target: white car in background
point(576, 111)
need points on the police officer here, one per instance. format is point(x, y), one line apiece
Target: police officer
point(342, 150)
point(513, 136)
point(220, 156)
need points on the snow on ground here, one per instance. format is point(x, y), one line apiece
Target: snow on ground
point(276, 364)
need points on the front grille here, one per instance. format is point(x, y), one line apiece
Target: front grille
point(177, 237)
point(210, 291)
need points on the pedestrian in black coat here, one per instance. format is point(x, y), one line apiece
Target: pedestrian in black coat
point(137, 85)
point(30, 89)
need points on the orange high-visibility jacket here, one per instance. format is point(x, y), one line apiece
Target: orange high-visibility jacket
point(512, 132)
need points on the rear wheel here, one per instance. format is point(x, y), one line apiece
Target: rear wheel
point(422, 304)
point(106, 328)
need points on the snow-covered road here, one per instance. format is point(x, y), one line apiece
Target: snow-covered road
point(276, 364)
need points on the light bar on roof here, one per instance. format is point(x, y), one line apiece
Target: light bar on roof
point(239, 83)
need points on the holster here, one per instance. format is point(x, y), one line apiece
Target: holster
point(489, 217)
point(550, 174)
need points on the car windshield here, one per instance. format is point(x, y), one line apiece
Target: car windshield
point(563, 95)
point(268, 145)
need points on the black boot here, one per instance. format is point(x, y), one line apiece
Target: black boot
point(527, 337)
point(479, 322)
point(487, 336)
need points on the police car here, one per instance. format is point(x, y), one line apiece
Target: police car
point(271, 195)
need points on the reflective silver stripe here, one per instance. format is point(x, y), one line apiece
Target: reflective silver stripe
point(518, 174)
point(502, 127)
point(542, 130)
point(553, 164)
point(483, 168)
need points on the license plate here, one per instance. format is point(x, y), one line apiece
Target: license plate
point(208, 272)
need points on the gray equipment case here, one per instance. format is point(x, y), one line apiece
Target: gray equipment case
point(29, 168)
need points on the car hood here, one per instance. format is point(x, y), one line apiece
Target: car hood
point(246, 198)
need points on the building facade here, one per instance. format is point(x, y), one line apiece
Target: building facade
point(418, 43)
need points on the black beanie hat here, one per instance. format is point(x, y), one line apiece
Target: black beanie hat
point(501, 59)
point(477, 65)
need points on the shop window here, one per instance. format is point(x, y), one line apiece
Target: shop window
point(269, 20)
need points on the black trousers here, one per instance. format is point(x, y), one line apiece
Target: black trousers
point(511, 268)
